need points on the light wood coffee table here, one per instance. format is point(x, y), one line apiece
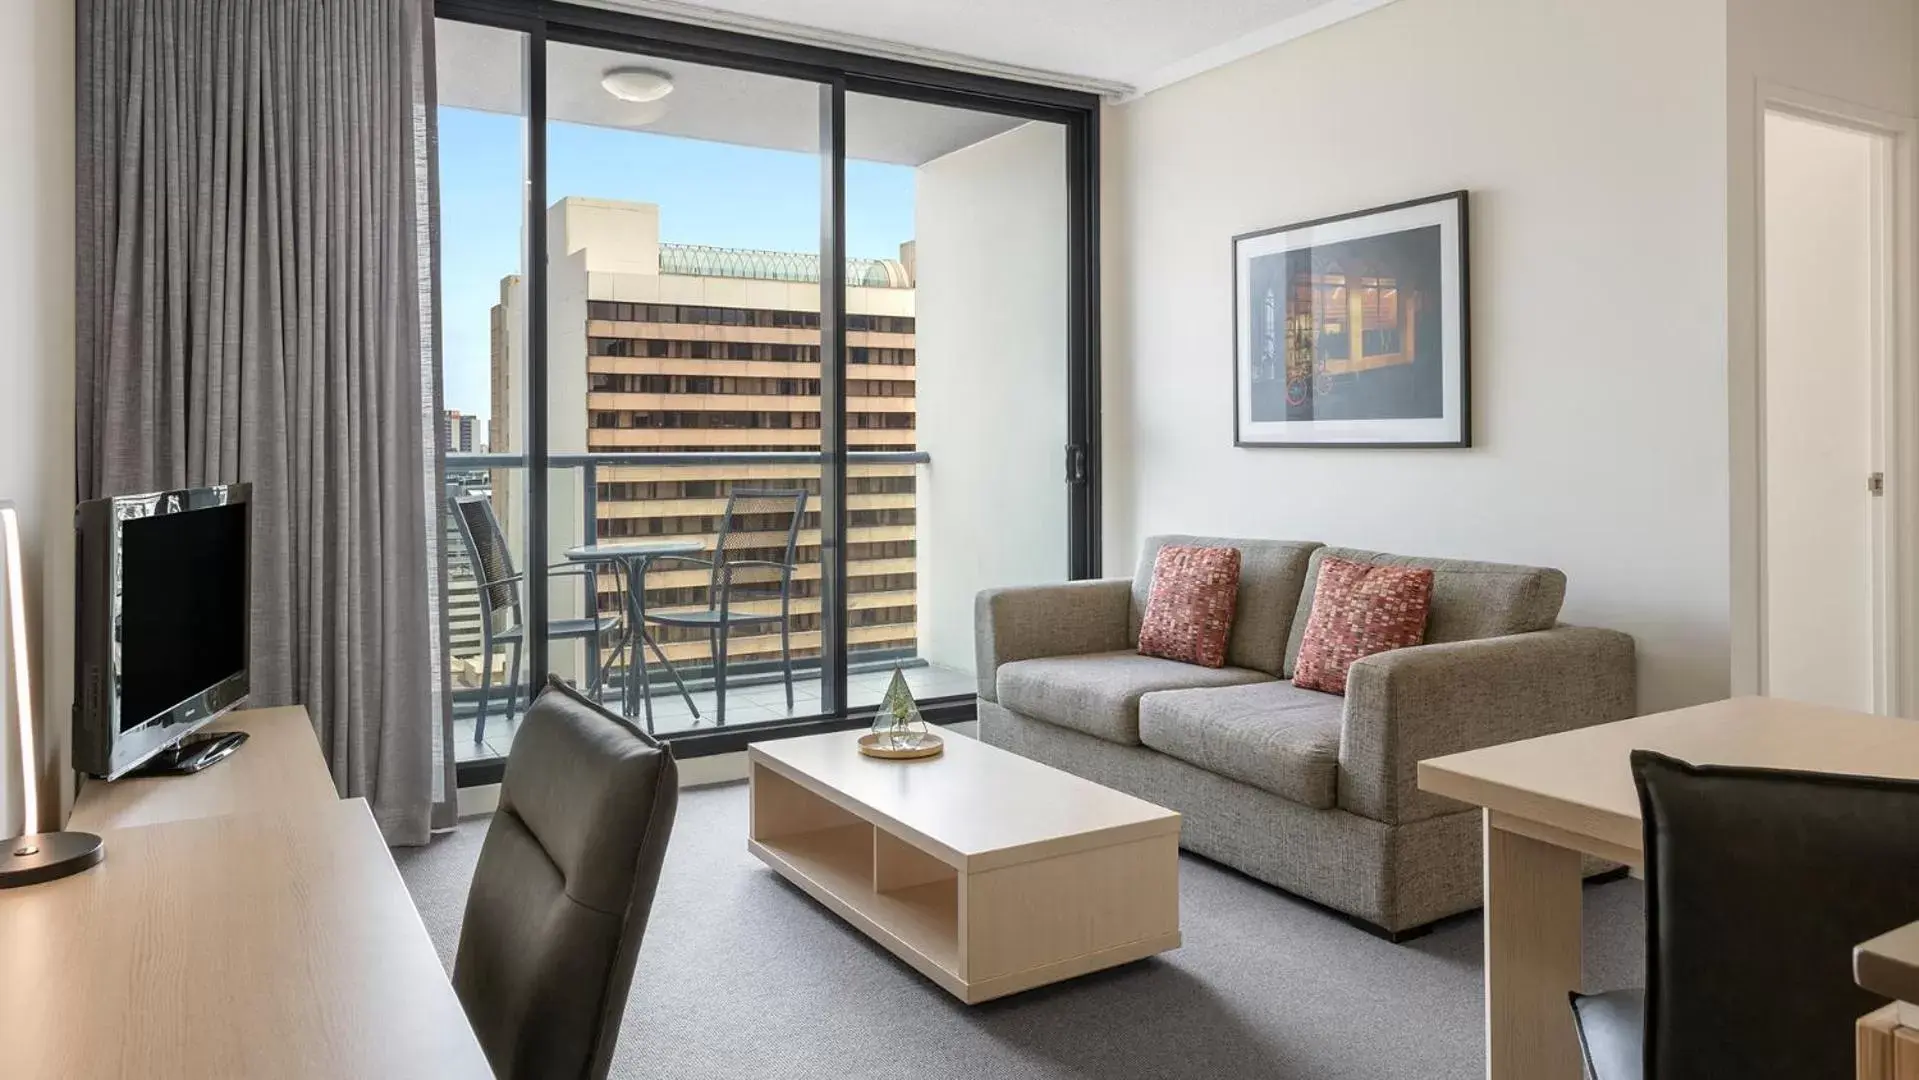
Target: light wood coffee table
point(987, 872)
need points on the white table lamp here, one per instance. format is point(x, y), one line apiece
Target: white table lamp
point(33, 856)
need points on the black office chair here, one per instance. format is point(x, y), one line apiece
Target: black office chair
point(1759, 882)
point(563, 888)
point(499, 587)
point(753, 523)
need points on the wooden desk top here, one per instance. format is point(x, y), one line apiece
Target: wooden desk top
point(1581, 781)
point(276, 944)
point(279, 767)
point(975, 806)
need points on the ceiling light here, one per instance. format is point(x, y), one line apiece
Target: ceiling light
point(637, 84)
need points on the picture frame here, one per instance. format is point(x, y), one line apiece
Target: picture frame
point(1355, 330)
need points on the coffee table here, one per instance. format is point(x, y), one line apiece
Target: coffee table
point(987, 872)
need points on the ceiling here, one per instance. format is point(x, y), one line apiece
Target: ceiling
point(476, 66)
point(1116, 46)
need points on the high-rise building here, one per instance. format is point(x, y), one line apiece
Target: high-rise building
point(656, 347)
point(459, 433)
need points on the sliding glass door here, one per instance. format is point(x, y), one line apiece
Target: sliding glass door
point(744, 461)
point(483, 171)
point(965, 367)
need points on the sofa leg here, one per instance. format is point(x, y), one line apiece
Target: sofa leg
point(1400, 937)
point(1396, 937)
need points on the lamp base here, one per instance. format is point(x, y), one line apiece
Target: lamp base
point(32, 858)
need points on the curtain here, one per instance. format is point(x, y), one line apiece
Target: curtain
point(255, 300)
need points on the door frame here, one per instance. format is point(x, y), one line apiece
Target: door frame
point(836, 73)
point(1894, 378)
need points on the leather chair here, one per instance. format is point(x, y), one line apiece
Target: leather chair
point(1759, 882)
point(564, 884)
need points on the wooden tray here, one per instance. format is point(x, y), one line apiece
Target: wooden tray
point(932, 747)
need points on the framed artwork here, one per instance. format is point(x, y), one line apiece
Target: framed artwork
point(1353, 330)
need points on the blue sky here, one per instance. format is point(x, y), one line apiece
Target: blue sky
point(708, 193)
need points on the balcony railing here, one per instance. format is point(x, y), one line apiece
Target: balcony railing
point(755, 691)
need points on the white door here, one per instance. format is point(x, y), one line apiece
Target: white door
point(1824, 243)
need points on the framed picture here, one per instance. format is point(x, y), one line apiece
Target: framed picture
point(1352, 330)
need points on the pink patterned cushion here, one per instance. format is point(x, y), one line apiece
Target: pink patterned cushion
point(1189, 612)
point(1360, 609)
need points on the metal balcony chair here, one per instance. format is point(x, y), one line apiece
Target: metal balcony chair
point(750, 515)
point(499, 590)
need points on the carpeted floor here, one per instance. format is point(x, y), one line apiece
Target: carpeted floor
point(744, 976)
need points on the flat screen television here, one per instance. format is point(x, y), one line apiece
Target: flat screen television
point(162, 621)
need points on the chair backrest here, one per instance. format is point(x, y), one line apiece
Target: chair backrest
point(760, 525)
point(486, 550)
point(1759, 882)
point(564, 884)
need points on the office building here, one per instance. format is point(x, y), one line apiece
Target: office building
point(461, 433)
point(663, 348)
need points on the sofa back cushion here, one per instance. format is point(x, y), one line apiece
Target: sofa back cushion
point(1470, 600)
point(1271, 575)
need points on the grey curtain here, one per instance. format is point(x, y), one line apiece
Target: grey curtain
point(254, 255)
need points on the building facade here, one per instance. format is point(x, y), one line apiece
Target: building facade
point(460, 433)
point(661, 348)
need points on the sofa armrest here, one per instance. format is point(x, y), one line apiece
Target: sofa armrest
point(1047, 620)
point(1410, 704)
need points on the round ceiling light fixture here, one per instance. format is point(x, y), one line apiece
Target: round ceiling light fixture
point(639, 85)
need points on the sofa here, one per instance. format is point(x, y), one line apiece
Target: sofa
point(1314, 793)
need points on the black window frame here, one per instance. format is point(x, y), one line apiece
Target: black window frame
point(836, 73)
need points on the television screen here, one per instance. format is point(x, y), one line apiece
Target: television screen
point(183, 611)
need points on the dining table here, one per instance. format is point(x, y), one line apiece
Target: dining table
point(1550, 800)
point(631, 559)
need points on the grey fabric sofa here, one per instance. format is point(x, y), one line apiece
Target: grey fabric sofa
point(1314, 793)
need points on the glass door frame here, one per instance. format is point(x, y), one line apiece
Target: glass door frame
point(836, 73)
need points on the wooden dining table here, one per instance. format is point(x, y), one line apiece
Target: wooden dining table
point(1551, 800)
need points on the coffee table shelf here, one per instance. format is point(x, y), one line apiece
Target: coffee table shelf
point(986, 872)
point(836, 867)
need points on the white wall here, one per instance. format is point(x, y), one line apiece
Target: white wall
point(1818, 404)
point(990, 223)
point(1592, 138)
point(36, 347)
point(1859, 53)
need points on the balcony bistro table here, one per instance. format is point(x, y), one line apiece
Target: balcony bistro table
point(630, 561)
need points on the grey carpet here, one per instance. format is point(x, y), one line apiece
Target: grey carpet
point(742, 975)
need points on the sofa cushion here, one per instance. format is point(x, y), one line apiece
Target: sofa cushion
point(1360, 609)
point(1471, 600)
point(1273, 735)
point(1099, 693)
point(1190, 611)
point(1269, 735)
point(1271, 575)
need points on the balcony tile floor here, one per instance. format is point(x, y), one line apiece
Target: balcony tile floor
point(757, 703)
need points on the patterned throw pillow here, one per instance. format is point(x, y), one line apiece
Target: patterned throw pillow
point(1190, 610)
point(1360, 609)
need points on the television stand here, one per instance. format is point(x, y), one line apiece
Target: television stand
point(191, 754)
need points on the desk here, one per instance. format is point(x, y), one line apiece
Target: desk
point(278, 767)
point(1888, 1039)
point(1550, 799)
point(270, 936)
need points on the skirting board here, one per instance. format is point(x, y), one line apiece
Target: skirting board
point(483, 799)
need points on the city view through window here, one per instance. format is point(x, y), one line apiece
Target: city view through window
point(684, 380)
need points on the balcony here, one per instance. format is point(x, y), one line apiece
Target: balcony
point(624, 497)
